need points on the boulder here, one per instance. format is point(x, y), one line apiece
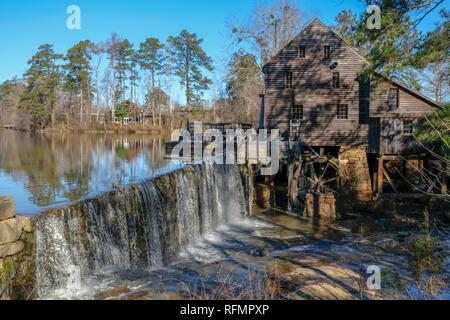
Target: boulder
point(7, 208)
point(10, 231)
point(25, 223)
point(10, 249)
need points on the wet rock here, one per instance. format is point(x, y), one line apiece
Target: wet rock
point(10, 231)
point(113, 293)
point(10, 249)
point(402, 236)
point(256, 253)
point(387, 244)
point(7, 208)
point(340, 229)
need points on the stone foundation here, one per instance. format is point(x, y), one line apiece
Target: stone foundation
point(320, 205)
point(355, 186)
point(263, 196)
point(16, 253)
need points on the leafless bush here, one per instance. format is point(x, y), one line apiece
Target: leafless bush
point(259, 285)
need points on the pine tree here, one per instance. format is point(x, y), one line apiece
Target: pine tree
point(78, 73)
point(151, 57)
point(188, 65)
point(392, 48)
point(43, 78)
point(125, 65)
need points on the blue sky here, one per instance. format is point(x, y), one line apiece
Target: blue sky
point(25, 24)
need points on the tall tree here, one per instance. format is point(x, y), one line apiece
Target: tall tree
point(346, 25)
point(159, 101)
point(125, 66)
point(270, 28)
point(245, 82)
point(391, 48)
point(43, 78)
point(188, 65)
point(78, 73)
point(112, 50)
point(99, 51)
point(433, 61)
point(10, 93)
point(151, 56)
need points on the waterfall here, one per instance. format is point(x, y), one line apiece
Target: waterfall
point(141, 226)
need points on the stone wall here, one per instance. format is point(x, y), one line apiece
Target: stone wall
point(320, 205)
point(355, 187)
point(16, 252)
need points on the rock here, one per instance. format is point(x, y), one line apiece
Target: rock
point(387, 243)
point(10, 249)
point(25, 223)
point(339, 228)
point(256, 253)
point(7, 208)
point(10, 231)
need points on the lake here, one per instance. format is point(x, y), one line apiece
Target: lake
point(49, 170)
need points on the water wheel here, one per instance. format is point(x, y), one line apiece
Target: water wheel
point(319, 175)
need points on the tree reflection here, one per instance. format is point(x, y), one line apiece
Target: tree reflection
point(55, 168)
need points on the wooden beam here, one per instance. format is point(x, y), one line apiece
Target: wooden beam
point(388, 178)
point(290, 182)
point(412, 196)
point(375, 179)
point(380, 178)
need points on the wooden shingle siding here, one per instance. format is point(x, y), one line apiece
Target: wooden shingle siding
point(393, 140)
point(409, 105)
point(312, 87)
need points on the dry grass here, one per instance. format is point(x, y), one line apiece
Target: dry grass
point(258, 285)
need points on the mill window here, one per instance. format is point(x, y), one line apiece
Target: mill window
point(342, 111)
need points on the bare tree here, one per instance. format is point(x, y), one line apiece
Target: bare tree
point(112, 48)
point(436, 80)
point(433, 135)
point(270, 28)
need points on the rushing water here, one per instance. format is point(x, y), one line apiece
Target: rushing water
point(144, 226)
point(53, 169)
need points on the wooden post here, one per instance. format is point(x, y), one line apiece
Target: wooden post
point(290, 174)
point(420, 164)
point(380, 178)
point(375, 181)
point(444, 178)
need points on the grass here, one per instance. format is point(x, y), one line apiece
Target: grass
point(428, 255)
point(258, 285)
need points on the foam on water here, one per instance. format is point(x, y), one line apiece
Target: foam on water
point(137, 228)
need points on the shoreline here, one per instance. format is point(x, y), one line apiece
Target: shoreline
point(119, 129)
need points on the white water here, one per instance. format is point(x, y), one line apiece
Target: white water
point(136, 228)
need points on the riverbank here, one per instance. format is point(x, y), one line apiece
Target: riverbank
point(105, 128)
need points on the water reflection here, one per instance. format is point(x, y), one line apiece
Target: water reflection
point(51, 169)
